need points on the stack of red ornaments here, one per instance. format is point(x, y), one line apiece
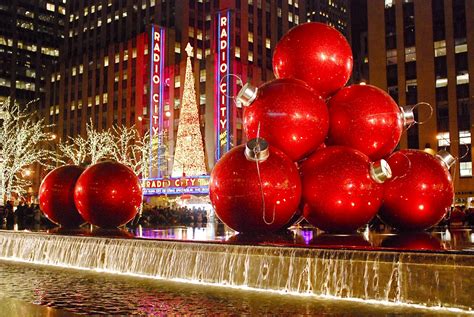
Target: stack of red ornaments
point(338, 141)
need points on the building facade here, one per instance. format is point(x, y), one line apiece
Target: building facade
point(106, 67)
point(30, 37)
point(336, 13)
point(423, 51)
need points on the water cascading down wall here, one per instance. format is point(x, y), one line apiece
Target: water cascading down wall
point(428, 279)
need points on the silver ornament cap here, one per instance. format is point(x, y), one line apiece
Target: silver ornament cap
point(408, 116)
point(256, 150)
point(247, 94)
point(446, 158)
point(380, 171)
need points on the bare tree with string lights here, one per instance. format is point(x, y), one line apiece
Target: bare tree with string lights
point(22, 140)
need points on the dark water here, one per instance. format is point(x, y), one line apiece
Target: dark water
point(86, 292)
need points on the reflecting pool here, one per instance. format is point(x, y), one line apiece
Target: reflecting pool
point(86, 292)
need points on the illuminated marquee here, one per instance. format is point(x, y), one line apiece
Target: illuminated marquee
point(222, 108)
point(156, 47)
point(176, 186)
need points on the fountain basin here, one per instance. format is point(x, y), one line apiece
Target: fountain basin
point(415, 278)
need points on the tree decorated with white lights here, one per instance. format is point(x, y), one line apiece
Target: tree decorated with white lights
point(95, 146)
point(189, 156)
point(133, 150)
point(22, 144)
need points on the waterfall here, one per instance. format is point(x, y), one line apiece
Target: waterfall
point(427, 279)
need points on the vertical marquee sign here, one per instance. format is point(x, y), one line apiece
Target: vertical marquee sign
point(223, 86)
point(157, 57)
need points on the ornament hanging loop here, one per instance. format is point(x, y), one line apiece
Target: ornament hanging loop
point(239, 83)
point(407, 170)
point(429, 116)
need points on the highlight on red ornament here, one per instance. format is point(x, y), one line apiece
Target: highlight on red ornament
point(420, 192)
point(56, 196)
point(316, 53)
point(108, 194)
point(286, 113)
point(366, 118)
point(255, 188)
point(342, 189)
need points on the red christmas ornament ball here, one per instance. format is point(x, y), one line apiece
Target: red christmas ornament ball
point(316, 53)
point(340, 193)
point(236, 190)
point(289, 115)
point(420, 193)
point(108, 194)
point(56, 196)
point(365, 118)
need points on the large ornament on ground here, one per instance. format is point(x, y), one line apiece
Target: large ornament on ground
point(421, 191)
point(366, 118)
point(316, 53)
point(287, 114)
point(255, 188)
point(56, 196)
point(342, 189)
point(108, 194)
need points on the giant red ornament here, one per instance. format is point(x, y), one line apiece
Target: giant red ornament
point(421, 191)
point(287, 114)
point(341, 188)
point(56, 196)
point(236, 189)
point(108, 194)
point(316, 53)
point(366, 118)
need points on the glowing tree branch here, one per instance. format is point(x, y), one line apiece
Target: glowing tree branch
point(189, 154)
point(22, 140)
point(134, 151)
point(90, 150)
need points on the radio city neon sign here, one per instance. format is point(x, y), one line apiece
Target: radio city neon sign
point(222, 82)
point(176, 182)
point(156, 62)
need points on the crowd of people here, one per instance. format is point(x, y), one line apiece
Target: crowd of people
point(172, 216)
point(25, 216)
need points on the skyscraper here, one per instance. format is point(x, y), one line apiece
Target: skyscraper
point(30, 36)
point(422, 51)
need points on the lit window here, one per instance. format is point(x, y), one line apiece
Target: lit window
point(391, 57)
point(50, 7)
point(250, 56)
point(199, 35)
point(250, 37)
point(106, 61)
point(117, 58)
point(297, 19)
point(237, 52)
point(279, 12)
point(177, 82)
point(441, 82)
point(465, 169)
point(177, 47)
point(460, 48)
point(410, 54)
point(443, 139)
point(296, 4)
point(61, 10)
point(388, 3)
point(267, 43)
point(290, 16)
point(202, 75)
point(74, 71)
point(465, 137)
point(440, 48)
point(462, 79)
point(81, 69)
point(199, 53)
